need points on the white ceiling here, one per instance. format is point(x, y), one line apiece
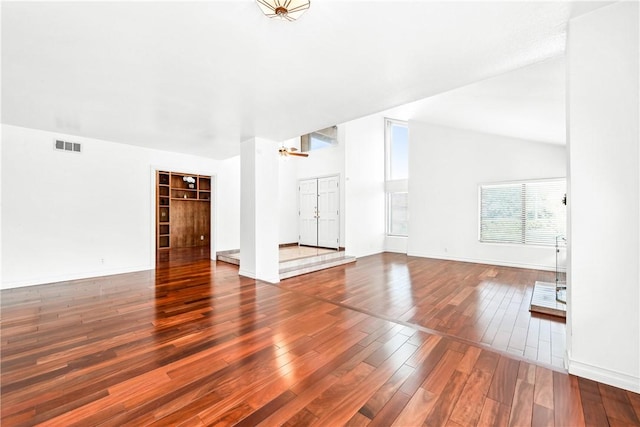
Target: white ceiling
point(199, 77)
point(527, 103)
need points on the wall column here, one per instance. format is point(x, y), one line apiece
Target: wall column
point(259, 226)
point(603, 321)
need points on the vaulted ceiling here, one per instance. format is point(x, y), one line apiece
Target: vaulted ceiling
point(199, 77)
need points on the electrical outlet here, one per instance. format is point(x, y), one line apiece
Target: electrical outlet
point(201, 237)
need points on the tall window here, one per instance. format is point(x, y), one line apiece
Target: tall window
point(397, 150)
point(530, 213)
point(397, 177)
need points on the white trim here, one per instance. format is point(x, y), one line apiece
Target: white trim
point(154, 220)
point(272, 280)
point(252, 275)
point(606, 376)
point(245, 273)
point(485, 261)
point(213, 217)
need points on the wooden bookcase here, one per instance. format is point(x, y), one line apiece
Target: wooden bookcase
point(183, 210)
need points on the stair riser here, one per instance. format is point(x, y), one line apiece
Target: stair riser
point(312, 259)
point(228, 260)
point(310, 269)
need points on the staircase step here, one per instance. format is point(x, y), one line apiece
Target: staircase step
point(231, 257)
point(311, 259)
point(310, 267)
point(298, 266)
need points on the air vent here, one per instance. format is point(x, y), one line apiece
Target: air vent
point(67, 146)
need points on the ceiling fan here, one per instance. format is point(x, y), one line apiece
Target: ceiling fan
point(291, 151)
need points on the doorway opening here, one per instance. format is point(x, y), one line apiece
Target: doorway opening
point(183, 211)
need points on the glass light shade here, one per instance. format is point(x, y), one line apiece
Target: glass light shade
point(284, 9)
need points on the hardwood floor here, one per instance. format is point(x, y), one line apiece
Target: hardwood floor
point(481, 303)
point(195, 344)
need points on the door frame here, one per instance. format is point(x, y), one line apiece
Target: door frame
point(340, 204)
point(213, 207)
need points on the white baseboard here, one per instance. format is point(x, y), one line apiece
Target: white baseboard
point(245, 273)
point(616, 379)
point(252, 275)
point(485, 261)
point(272, 280)
point(73, 276)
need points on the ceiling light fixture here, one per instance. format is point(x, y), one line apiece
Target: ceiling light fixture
point(284, 9)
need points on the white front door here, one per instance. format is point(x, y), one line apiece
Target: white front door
point(319, 213)
point(308, 214)
point(328, 212)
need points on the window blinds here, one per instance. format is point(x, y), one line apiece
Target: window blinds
point(530, 213)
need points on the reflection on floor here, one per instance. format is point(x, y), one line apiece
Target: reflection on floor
point(193, 343)
point(298, 260)
point(483, 304)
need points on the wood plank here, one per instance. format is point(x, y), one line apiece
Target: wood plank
point(382, 396)
point(291, 408)
point(522, 406)
point(592, 407)
point(543, 390)
point(567, 403)
point(634, 398)
point(494, 414)
point(440, 376)
point(417, 409)
point(391, 410)
point(617, 405)
point(358, 420)
point(324, 403)
point(470, 402)
point(344, 410)
point(542, 416)
point(504, 381)
point(192, 343)
point(447, 400)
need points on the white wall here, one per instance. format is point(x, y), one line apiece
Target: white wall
point(446, 166)
point(68, 215)
point(604, 196)
point(288, 194)
point(258, 218)
point(364, 169)
point(227, 205)
point(396, 244)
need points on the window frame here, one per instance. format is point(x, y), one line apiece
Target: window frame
point(389, 196)
point(393, 185)
point(388, 123)
point(523, 241)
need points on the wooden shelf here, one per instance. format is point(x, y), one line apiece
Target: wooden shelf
point(164, 178)
point(178, 225)
point(204, 183)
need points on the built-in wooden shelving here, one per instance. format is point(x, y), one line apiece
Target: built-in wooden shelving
point(173, 189)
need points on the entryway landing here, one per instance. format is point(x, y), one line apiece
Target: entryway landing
point(298, 260)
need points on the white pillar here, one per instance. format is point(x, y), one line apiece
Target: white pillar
point(259, 256)
point(603, 323)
